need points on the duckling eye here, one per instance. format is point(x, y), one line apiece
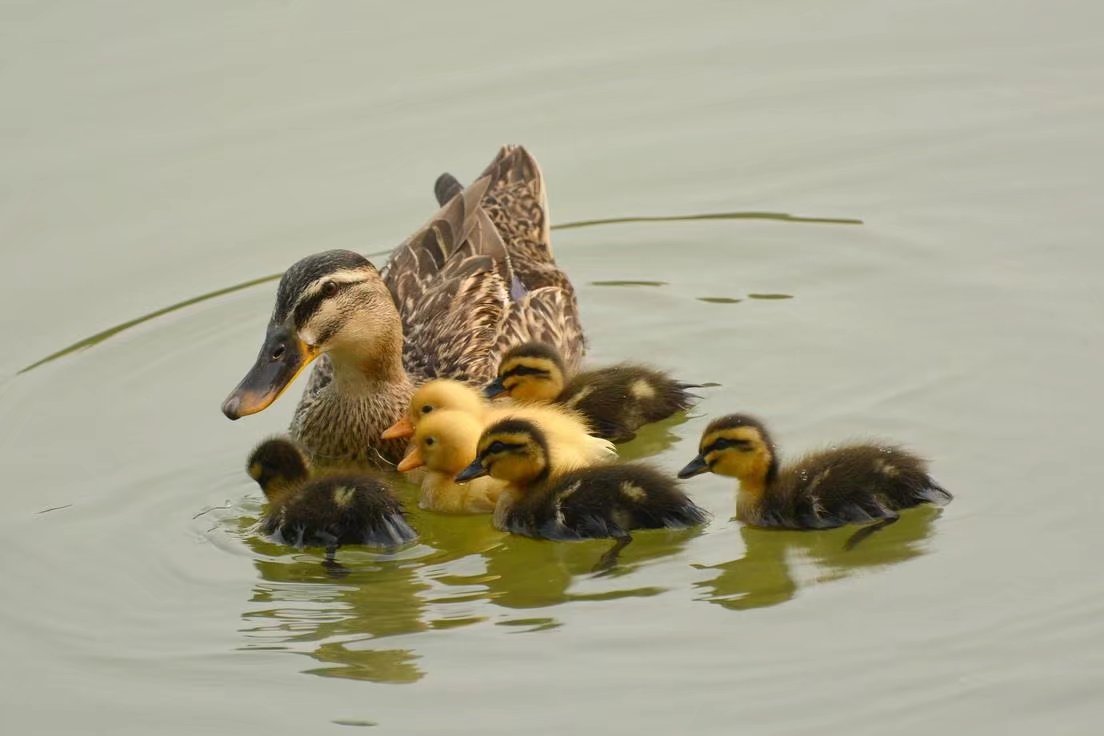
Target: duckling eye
point(427, 409)
point(329, 288)
point(496, 447)
point(430, 441)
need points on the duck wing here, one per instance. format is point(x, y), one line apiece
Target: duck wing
point(516, 201)
point(479, 277)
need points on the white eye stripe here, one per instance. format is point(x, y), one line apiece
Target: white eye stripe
point(342, 277)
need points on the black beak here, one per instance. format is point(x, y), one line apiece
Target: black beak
point(697, 466)
point(283, 355)
point(473, 471)
point(494, 388)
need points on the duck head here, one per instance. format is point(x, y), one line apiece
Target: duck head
point(333, 302)
point(440, 394)
point(513, 450)
point(444, 442)
point(530, 372)
point(736, 445)
point(278, 466)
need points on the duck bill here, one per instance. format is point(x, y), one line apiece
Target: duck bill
point(283, 356)
point(697, 466)
point(494, 388)
point(473, 471)
point(400, 429)
point(412, 460)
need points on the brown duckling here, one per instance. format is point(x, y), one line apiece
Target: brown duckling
point(327, 512)
point(445, 443)
point(846, 485)
point(615, 401)
point(586, 503)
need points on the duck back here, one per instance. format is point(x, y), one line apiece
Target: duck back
point(604, 501)
point(857, 483)
point(340, 510)
point(620, 399)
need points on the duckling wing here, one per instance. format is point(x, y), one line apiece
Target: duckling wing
point(859, 483)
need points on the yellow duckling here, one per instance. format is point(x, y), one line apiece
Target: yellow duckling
point(616, 401)
point(445, 442)
point(326, 512)
point(852, 484)
point(603, 501)
point(564, 428)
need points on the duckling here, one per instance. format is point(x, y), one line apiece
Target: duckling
point(445, 442)
point(616, 401)
point(565, 428)
point(851, 484)
point(595, 502)
point(326, 512)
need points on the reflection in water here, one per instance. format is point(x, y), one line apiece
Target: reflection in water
point(763, 577)
point(461, 566)
point(300, 602)
point(654, 438)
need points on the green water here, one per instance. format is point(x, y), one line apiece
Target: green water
point(159, 160)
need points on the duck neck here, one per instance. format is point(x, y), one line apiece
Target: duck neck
point(370, 366)
point(749, 499)
point(369, 391)
point(506, 501)
point(278, 490)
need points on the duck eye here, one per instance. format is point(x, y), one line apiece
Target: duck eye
point(427, 409)
point(279, 352)
point(329, 288)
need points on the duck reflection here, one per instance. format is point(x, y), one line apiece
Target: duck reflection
point(459, 572)
point(652, 439)
point(765, 575)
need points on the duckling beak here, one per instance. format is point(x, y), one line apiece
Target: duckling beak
point(412, 460)
point(473, 471)
point(697, 466)
point(402, 428)
point(494, 388)
point(283, 356)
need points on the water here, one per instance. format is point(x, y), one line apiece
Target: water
point(153, 155)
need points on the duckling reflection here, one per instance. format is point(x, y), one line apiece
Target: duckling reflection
point(298, 607)
point(774, 567)
point(652, 439)
point(523, 573)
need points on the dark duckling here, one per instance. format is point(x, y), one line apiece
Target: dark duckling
point(327, 512)
point(615, 401)
point(593, 502)
point(853, 484)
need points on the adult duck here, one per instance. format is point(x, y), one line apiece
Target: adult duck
point(478, 278)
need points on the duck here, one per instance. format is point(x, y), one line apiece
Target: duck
point(444, 443)
point(604, 501)
point(565, 428)
point(329, 511)
point(849, 484)
point(616, 400)
point(479, 277)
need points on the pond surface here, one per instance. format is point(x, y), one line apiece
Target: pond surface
point(156, 154)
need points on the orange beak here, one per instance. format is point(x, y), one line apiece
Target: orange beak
point(402, 428)
point(412, 460)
